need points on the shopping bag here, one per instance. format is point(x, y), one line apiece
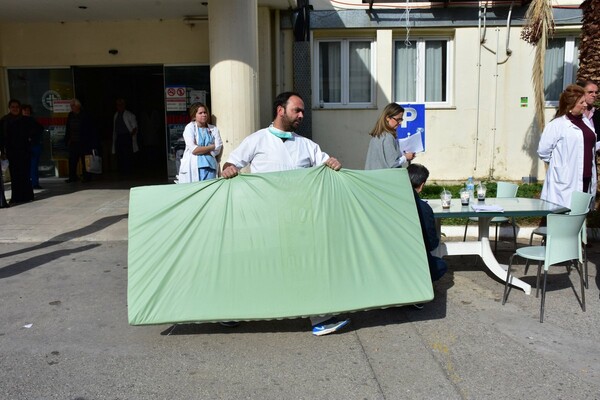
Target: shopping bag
point(93, 163)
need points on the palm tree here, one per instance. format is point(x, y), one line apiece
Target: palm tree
point(589, 44)
point(539, 25)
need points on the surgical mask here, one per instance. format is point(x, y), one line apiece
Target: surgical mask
point(279, 133)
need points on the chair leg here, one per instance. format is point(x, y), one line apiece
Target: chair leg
point(543, 297)
point(506, 289)
point(537, 290)
point(585, 267)
point(527, 261)
point(581, 272)
point(466, 226)
point(496, 240)
point(514, 233)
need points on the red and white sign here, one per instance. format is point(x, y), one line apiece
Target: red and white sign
point(175, 93)
point(176, 104)
point(61, 106)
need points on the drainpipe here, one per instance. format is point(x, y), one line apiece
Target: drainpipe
point(495, 113)
point(277, 45)
point(496, 77)
point(481, 41)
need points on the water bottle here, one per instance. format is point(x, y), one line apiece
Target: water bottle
point(470, 185)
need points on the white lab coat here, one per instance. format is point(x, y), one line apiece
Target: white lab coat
point(266, 152)
point(131, 124)
point(561, 145)
point(188, 170)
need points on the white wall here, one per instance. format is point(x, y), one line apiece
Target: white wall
point(87, 43)
point(501, 145)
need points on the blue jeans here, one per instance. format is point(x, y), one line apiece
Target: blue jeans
point(206, 173)
point(36, 152)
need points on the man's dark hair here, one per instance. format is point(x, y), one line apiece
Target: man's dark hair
point(584, 82)
point(417, 174)
point(26, 107)
point(14, 101)
point(282, 100)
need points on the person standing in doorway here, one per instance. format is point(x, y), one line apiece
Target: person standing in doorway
point(125, 129)
point(80, 139)
point(36, 130)
point(202, 145)
point(14, 129)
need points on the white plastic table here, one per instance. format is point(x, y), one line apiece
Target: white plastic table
point(513, 207)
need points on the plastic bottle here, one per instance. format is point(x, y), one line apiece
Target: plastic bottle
point(470, 185)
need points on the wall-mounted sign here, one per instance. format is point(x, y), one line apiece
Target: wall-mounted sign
point(411, 132)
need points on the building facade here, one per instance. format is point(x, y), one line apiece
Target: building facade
point(465, 61)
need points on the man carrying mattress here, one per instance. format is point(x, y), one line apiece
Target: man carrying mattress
point(279, 148)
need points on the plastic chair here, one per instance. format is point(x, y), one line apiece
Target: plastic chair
point(580, 203)
point(563, 243)
point(505, 189)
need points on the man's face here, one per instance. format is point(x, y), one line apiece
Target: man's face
point(291, 117)
point(75, 108)
point(591, 94)
point(14, 108)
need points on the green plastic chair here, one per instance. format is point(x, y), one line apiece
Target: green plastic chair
point(580, 203)
point(504, 190)
point(563, 243)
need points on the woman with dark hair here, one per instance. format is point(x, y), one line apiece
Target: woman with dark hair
point(568, 145)
point(384, 151)
point(202, 146)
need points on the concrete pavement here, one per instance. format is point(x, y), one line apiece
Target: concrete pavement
point(64, 331)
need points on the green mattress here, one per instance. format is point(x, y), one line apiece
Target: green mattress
point(275, 245)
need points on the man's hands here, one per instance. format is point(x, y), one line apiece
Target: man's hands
point(229, 171)
point(333, 163)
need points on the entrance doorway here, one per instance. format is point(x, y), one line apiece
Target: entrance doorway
point(142, 87)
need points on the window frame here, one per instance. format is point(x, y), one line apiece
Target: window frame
point(420, 42)
point(570, 61)
point(345, 73)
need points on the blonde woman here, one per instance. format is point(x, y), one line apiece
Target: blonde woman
point(202, 146)
point(384, 151)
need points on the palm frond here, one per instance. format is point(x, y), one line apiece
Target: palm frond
point(539, 26)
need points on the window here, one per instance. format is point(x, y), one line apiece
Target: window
point(421, 70)
point(343, 73)
point(560, 66)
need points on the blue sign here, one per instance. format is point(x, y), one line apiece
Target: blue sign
point(414, 123)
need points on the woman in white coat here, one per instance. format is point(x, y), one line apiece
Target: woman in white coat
point(202, 146)
point(568, 144)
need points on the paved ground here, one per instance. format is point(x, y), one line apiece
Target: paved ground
point(64, 331)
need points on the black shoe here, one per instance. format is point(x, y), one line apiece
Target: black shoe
point(70, 180)
point(38, 187)
point(5, 206)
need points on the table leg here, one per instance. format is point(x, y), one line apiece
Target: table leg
point(483, 249)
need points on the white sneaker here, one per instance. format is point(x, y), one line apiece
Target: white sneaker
point(329, 326)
